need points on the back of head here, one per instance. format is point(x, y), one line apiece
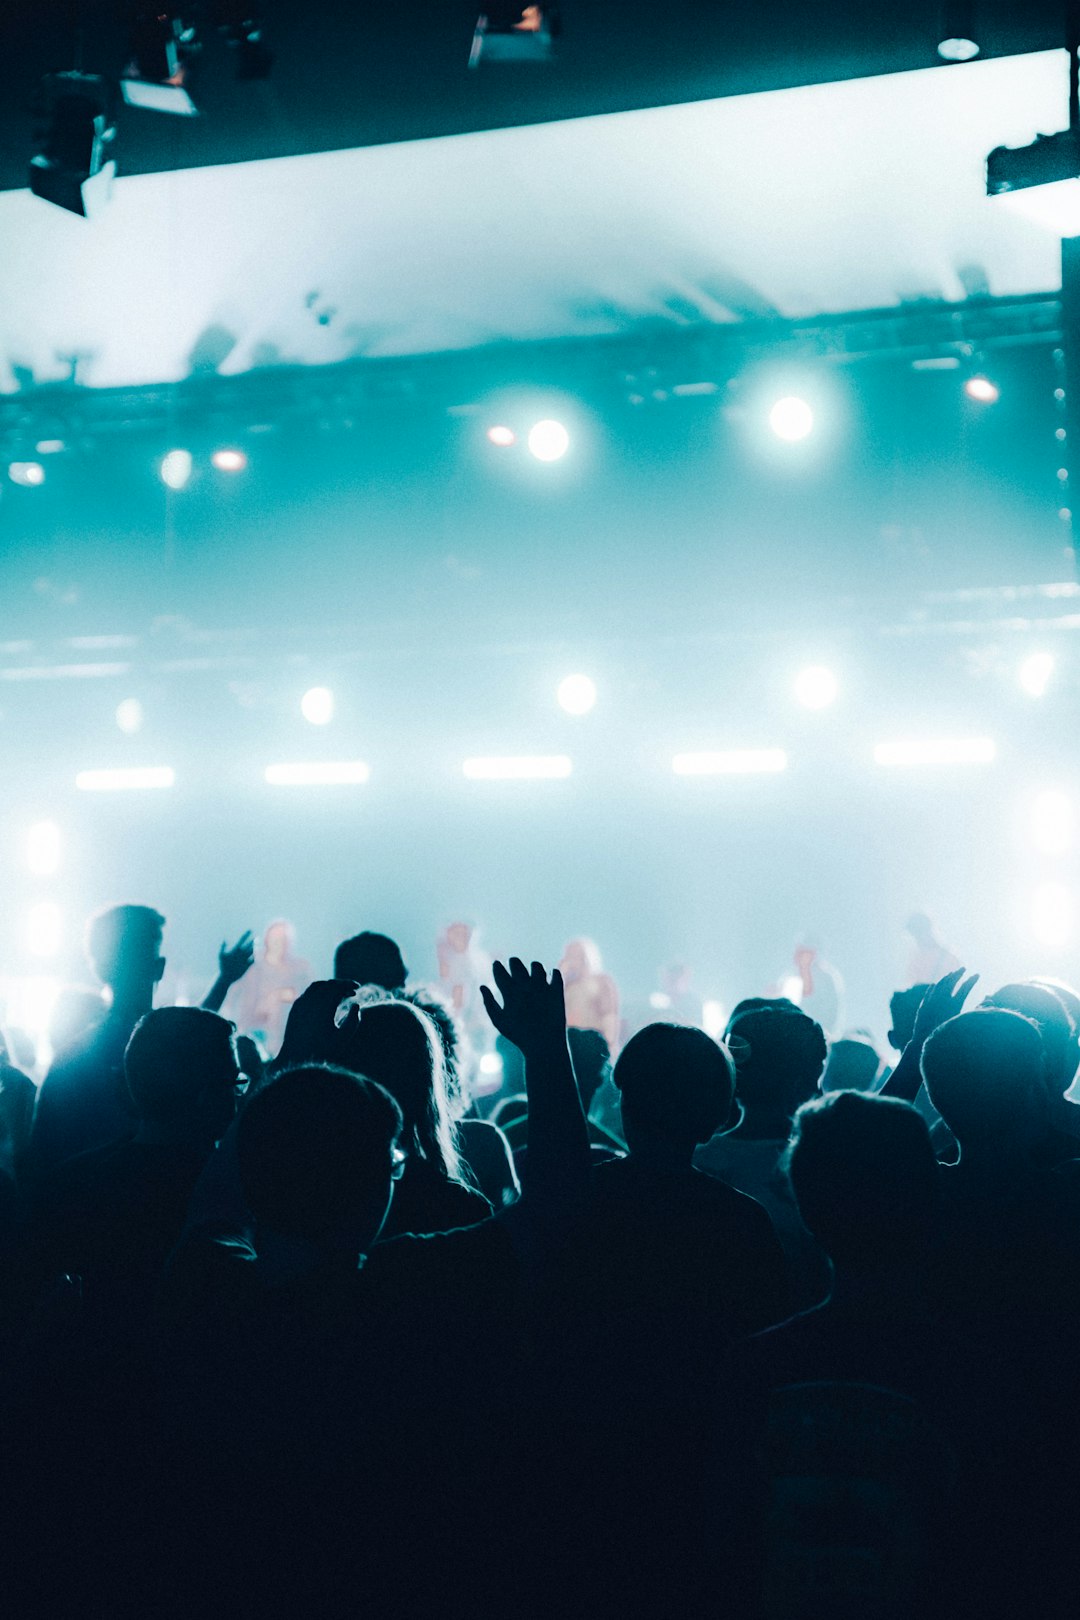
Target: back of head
point(181, 1069)
point(1047, 1010)
point(395, 1044)
point(124, 945)
point(758, 1004)
point(904, 1009)
point(852, 1065)
point(984, 1075)
point(591, 1057)
point(451, 1040)
point(779, 1056)
point(864, 1177)
point(314, 1150)
point(370, 958)
point(677, 1084)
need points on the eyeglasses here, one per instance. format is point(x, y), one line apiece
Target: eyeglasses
point(398, 1160)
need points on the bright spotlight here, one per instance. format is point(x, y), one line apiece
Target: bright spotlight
point(317, 706)
point(816, 687)
point(1035, 672)
point(1052, 914)
point(44, 928)
point(43, 848)
point(504, 437)
point(957, 50)
point(937, 751)
point(731, 762)
point(491, 1063)
point(577, 694)
point(548, 440)
point(517, 767)
point(791, 418)
point(127, 780)
point(30, 474)
point(176, 468)
point(229, 460)
point(1052, 823)
point(129, 716)
point(331, 773)
point(982, 389)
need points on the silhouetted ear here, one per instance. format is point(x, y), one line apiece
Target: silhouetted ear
point(159, 969)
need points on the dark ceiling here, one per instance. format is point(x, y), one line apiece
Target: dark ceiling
point(354, 72)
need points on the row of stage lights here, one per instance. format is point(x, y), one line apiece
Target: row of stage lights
point(791, 418)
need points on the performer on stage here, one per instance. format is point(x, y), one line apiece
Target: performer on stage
point(463, 968)
point(930, 960)
point(592, 998)
point(821, 989)
point(259, 1004)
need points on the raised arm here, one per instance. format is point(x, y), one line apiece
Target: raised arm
point(233, 963)
point(942, 1001)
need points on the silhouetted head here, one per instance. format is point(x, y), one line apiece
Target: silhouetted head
point(779, 1057)
point(677, 1086)
point(1046, 1009)
point(123, 944)
point(315, 1151)
point(805, 957)
point(865, 1179)
point(852, 1065)
point(182, 1071)
point(1070, 1000)
point(279, 941)
point(920, 928)
point(984, 1075)
point(758, 1004)
point(591, 1057)
point(904, 1009)
point(371, 959)
point(395, 1044)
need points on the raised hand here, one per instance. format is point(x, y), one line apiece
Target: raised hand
point(312, 1034)
point(533, 1013)
point(234, 961)
point(941, 1002)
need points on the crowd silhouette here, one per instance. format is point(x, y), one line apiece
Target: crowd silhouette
point(748, 1327)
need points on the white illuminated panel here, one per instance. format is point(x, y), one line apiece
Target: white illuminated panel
point(332, 773)
point(731, 762)
point(517, 767)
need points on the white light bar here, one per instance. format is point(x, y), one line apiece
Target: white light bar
point(139, 776)
point(937, 751)
point(517, 767)
point(731, 762)
point(333, 773)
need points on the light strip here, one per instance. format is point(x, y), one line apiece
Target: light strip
point(517, 767)
point(937, 751)
point(333, 773)
point(731, 762)
point(120, 781)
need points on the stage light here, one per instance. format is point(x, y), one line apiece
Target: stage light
point(43, 848)
point(1035, 672)
point(1040, 181)
point(44, 928)
point(1052, 822)
point(73, 169)
point(816, 687)
point(229, 460)
point(577, 694)
point(175, 468)
point(129, 778)
point(937, 751)
point(317, 706)
point(504, 437)
point(956, 41)
point(731, 762)
point(331, 773)
point(548, 440)
point(517, 767)
point(50, 447)
point(28, 474)
point(162, 44)
point(1052, 914)
point(129, 716)
point(982, 389)
point(791, 418)
point(491, 1063)
point(507, 31)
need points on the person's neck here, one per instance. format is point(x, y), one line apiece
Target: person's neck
point(762, 1124)
point(993, 1163)
point(660, 1156)
point(129, 1005)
